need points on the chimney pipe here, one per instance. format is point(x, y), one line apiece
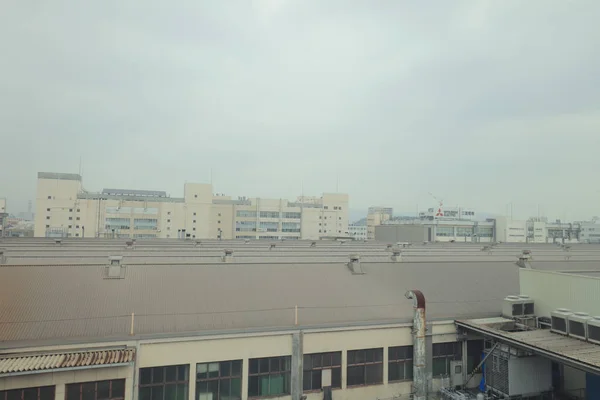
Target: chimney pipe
point(419, 356)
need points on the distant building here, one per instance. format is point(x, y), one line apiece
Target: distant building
point(358, 232)
point(377, 216)
point(65, 209)
point(590, 232)
point(436, 231)
point(3, 215)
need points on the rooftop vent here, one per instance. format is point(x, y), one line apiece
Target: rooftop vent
point(247, 241)
point(272, 246)
point(58, 241)
point(526, 252)
point(114, 269)
point(342, 241)
point(354, 265)
point(524, 261)
point(512, 307)
point(593, 326)
point(129, 244)
point(227, 256)
point(2, 257)
point(388, 247)
point(403, 244)
point(313, 244)
point(559, 320)
point(396, 255)
point(578, 325)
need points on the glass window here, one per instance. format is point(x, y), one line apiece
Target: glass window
point(290, 227)
point(269, 226)
point(117, 223)
point(269, 214)
point(292, 215)
point(269, 376)
point(36, 393)
point(400, 363)
point(145, 223)
point(113, 389)
point(313, 366)
point(164, 383)
point(474, 354)
point(245, 226)
point(365, 367)
point(219, 380)
point(245, 214)
point(443, 353)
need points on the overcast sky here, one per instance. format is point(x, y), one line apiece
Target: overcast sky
point(479, 102)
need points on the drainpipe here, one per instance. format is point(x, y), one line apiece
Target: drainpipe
point(419, 328)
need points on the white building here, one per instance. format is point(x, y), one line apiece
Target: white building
point(589, 232)
point(65, 209)
point(358, 232)
point(377, 216)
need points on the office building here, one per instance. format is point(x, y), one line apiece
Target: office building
point(65, 209)
point(357, 231)
point(377, 216)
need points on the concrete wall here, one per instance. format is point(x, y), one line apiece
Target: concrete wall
point(193, 350)
point(401, 233)
point(552, 290)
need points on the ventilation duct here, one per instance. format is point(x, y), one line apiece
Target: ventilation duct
point(396, 255)
point(419, 352)
point(227, 256)
point(272, 246)
point(313, 244)
point(58, 242)
point(354, 265)
point(388, 247)
point(114, 269)
point(524, 261)
point(246, 241)
point(198, 243)
point(2, 257)
point(129, 244)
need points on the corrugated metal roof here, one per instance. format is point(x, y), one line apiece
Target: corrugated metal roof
point(44, 362)
point(548, 343)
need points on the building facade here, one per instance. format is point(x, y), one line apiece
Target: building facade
point(377, 216)
point(3, 216)
point(357, 232)
point(65, 209)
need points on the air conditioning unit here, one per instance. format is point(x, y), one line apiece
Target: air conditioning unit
point(593, 327)
point(512, 307)
point(559, 320)
point(578, 325)
point(528, 306)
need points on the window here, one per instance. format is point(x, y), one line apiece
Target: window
point(47, 209)
point(474, 354)
point(70, 218)
point(117, 223)
point(443, 353)
point(269, 214)
point(194, 214)
point(326, 207)
point(145, 224)
point(400, 363)
point(269, 376)
point(245, 214)
point(36, 393)
point(290, 227)
point(47, 226)
point(313, 367)
point(70, 210)
point(269, 226)
point(114, 389)
point(77, 226)
point(193, 229)
point(168, 220)
point(335, 207)
point(77, 234)
point(168, 228)
point(194, 221)
point(245, 226)
point(49, 198)
point(219, 214)
point(70, 226)
point(365, 367)
point(164, 383)
point(78, 210)
point(340, 218)
point(445, 231)
point(77, 218)
point(48, 217)
point(292, 215)
point(168, 212)
point(219, 380)
point(195, 196)
point(218, 222)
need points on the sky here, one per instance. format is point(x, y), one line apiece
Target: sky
point(482, 103)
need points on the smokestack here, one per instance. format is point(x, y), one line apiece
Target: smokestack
point(419, 328)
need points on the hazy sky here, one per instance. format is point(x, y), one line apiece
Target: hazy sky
point(479, 102)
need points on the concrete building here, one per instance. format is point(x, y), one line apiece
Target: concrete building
point(3, 215)
point(65, 209)
point(358, 232)
point(436, 231)
point(589, 232)
point(377, 216)
point(275, 326)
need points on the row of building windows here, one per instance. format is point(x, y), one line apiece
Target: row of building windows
point(70, 209)
point(270, 376)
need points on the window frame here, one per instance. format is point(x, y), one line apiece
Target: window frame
point(110, 389)
point(456, 355)
point(286, 361)
point(332, 366)
point(364, 364)
point(406, 362)
point(4, 393)
point(220, 377)
point(164, 382)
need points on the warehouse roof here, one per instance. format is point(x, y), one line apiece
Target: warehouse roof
point(72, 301)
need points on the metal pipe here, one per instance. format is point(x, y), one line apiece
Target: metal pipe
point(419, 352)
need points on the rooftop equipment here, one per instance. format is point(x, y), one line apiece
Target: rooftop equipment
point(559, 320)
point(354, 265)
point(578, 325)
point(593, 326)
point(227, 256)
point(517, 306)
